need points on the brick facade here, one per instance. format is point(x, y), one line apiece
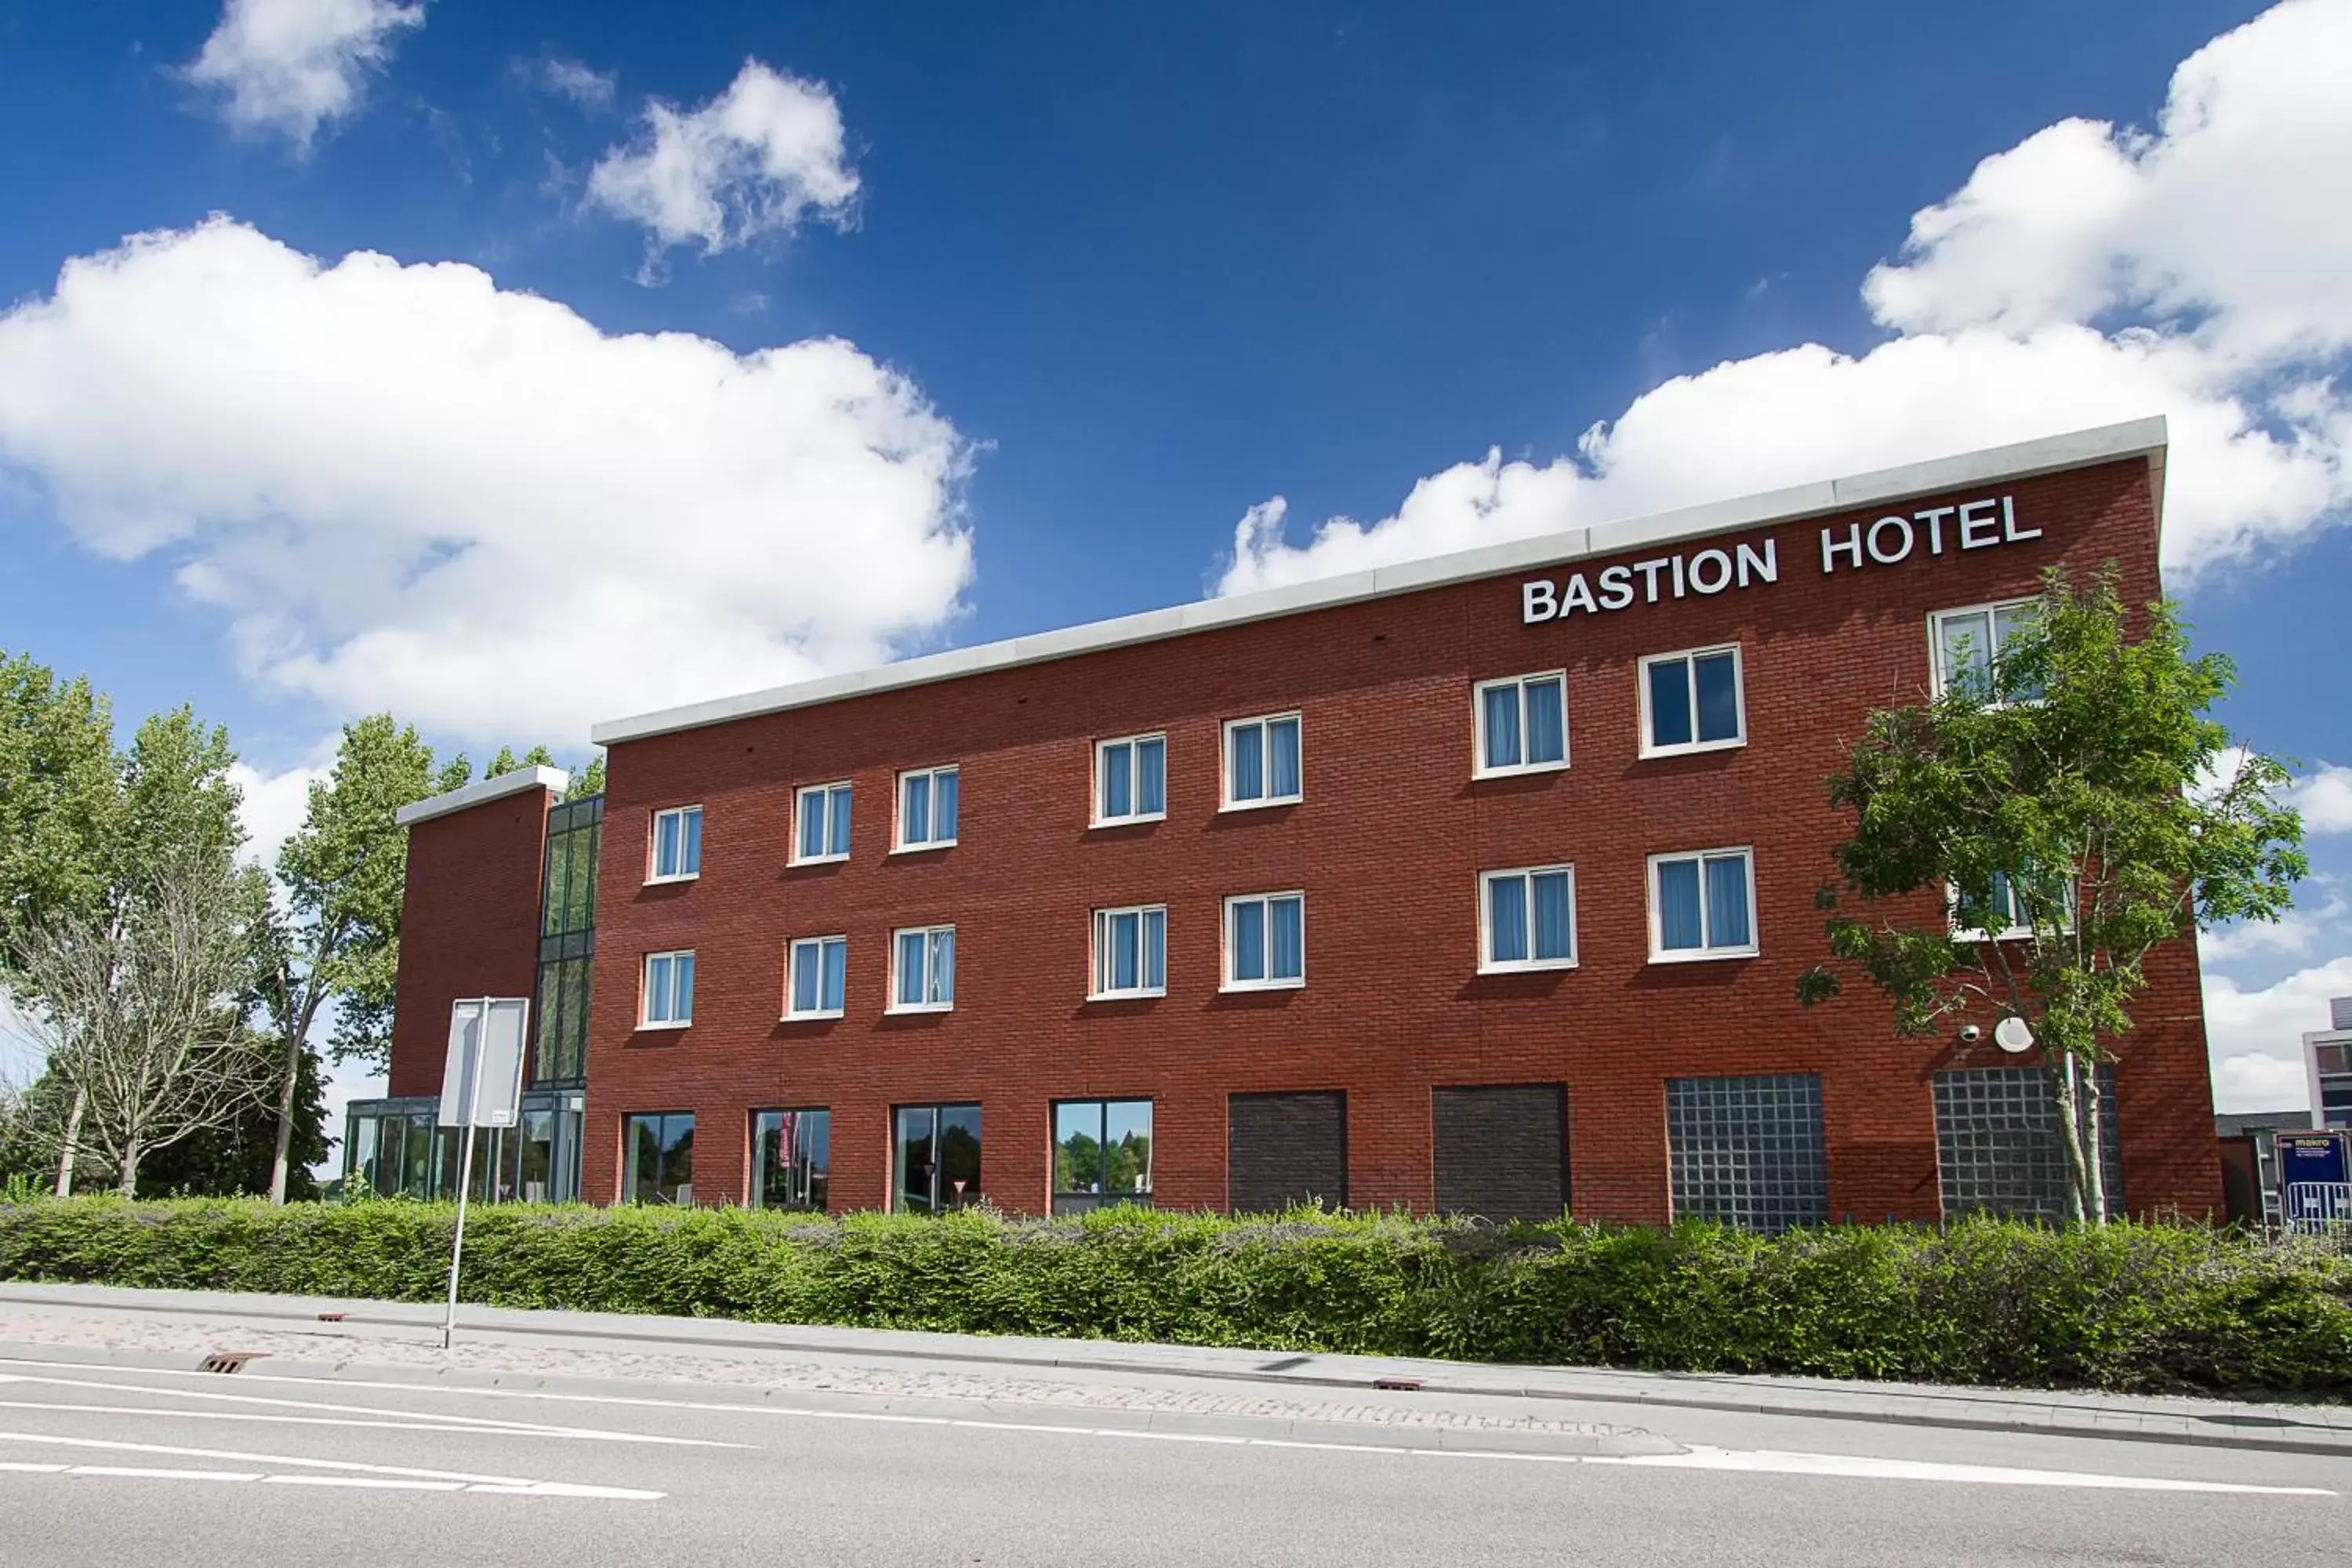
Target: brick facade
point(468, 924)
point(1386, 845)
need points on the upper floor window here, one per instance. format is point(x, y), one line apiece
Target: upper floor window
point(1702, 905)
point(1262, 761)
point(1522, 723)
point(822, 832)
point(1266, 941)
point(927, 808)
point(1691, 702)
point(817, 977)
point(2011, 905)
point(1131, 951)
point(678, 844)
point(668, 1001)
point(1527, 919)
point(924, 970)
point(1967, 644)
point(1131, 779)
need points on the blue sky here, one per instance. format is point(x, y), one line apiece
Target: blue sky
point(986, 320)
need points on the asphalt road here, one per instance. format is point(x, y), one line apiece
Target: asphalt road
point(114, 1458)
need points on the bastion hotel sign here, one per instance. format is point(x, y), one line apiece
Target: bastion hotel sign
point(1972, 525)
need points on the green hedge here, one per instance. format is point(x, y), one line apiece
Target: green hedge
point(2132, 1307)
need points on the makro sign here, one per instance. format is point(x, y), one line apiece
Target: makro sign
point(1889, 541)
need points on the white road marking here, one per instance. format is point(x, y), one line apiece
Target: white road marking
point(25, 1466)
point(369, 1483)
point(148, 1473)
point(483, 1423)
point(423, 1424)
point(503, 1484)
point(1696, 1457)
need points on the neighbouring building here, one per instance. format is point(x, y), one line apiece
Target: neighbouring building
point(1480, 883)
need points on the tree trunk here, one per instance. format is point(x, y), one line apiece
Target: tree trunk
point(129, 1185)
point(73, 1139)
point(2095, 1191)
point(2070, 1130)
point(286, 1085)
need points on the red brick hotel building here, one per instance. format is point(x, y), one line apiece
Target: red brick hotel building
point(1480, 883)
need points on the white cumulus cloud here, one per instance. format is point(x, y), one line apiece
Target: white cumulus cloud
point(591, 89)
point(292, 66)
point(273, 805)
point(2255, 1038)
point(2325, 798)
point(2091, 274)
point(760, 158)
point(406, 488)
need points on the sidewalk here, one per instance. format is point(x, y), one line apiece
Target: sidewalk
point(2235, 1423)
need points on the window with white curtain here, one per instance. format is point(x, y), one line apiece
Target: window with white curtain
point(1131, 951)
point(1522, 723)
point(1527, 919)
point(923, 968)
point(817, 977)
point(927, 808)
point(822, 827)
point(1262, 761)
point(1692, 701)
point(668, 990)
point(1130, 780)
point(1967, 644)
point(677, 848)
point(1266, 941)
point(1702, 905)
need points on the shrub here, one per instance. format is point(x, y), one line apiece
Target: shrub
point(2129, 1307)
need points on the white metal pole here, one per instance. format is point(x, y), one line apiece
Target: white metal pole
point(466, 1166)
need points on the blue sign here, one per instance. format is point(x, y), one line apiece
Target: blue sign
point(2309, 1157)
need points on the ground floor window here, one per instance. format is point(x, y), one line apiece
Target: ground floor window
point(1501, 1149)
point(2000, 1148)
point(791, 1151)
point(937, 1158)
point(1285, 1149)
point(1748, 1150)
point(660, 1150)
point(1102, 1153)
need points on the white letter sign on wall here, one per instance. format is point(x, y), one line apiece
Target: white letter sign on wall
point(1887, 541)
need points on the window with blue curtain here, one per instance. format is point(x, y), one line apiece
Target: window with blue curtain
point(1530, 918)
point(1693, 700)
point(669, 988)
point(1523, 723)
point(1131, 779)
point(927, 808)
point(678, 842)
point(1132, 950)
point(1704, 904)
point(1262, 764)
point(1266, 940)
point(926, 968)
point(820, 976)
point(823, 832)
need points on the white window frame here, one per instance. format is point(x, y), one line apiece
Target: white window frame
point(2006, 934)
point(1225, 763)
point(1658, 954)
point(1487, 962)
point(793, 1012)
point(1937, 677)
point(646, 1020)
point(1738, 699)
point(1098, 989)
point(930, 775)
point(800, 803)
point(926, 932)
point(1478, 766)
point(1225, 943)
point(653, 846)
point(1097, 816)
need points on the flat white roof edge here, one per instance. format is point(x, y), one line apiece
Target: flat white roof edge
point(480, 792)
point(2023, 459)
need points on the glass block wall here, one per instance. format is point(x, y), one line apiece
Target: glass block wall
point(1748, 1150)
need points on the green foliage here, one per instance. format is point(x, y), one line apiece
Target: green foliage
point(236, 1159)
point(587, 781)
point(60, 799)
point(2143, 1307)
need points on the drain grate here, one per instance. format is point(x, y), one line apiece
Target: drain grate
point(1405, 1384)
point(228, 1361)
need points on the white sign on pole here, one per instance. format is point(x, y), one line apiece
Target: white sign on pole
point(481, 1086)
point(481, 1079)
